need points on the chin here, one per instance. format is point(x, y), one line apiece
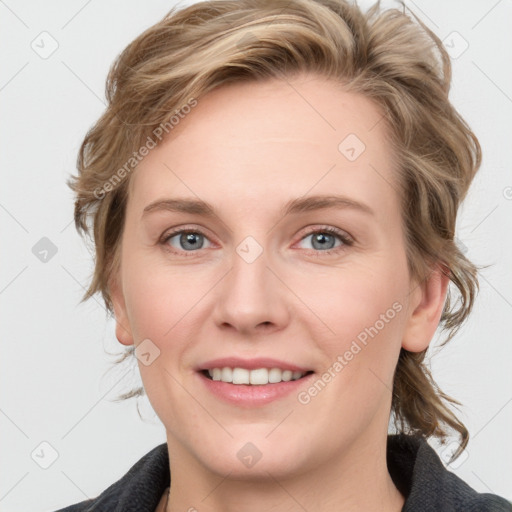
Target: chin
point(254, 457)
point(279, 466)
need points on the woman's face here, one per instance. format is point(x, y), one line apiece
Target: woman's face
point(299, 266)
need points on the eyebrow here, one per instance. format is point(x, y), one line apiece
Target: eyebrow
point(294, 206)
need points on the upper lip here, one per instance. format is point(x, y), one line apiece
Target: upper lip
point(251, 364)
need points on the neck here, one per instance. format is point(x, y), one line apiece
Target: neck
point(357, 481)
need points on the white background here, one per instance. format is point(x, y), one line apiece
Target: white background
point(54, 378)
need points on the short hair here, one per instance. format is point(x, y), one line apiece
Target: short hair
point(388, 56)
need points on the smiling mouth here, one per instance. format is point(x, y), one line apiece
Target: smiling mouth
point(256, 377)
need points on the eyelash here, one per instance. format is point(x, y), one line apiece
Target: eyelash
point(347, 241)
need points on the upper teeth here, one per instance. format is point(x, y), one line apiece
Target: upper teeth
point(259, 376)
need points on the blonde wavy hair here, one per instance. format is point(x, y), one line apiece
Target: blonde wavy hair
point(389, 56)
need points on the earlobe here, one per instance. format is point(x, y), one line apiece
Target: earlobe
point(427, 301)
point(123, 332)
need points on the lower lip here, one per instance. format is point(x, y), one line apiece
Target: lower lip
point(252, 395)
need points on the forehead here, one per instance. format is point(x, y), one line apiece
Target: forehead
point(243, 139)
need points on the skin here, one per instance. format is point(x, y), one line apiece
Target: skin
point(247, 149)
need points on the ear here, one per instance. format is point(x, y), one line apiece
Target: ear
point(123, 332)
point(427, 302)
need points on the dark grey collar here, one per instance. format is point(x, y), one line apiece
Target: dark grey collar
point(414, 466)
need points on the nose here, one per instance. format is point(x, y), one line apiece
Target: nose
point(251, 298)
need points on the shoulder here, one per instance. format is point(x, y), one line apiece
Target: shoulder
point(140, 489)
point(427, 485)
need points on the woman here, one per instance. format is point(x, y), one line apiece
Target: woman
point(273, 191)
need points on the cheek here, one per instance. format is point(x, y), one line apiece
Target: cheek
point(355, 298)
point(162, 304)
point(160, 299)
point(362, 312)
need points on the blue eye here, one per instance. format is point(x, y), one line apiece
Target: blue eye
point(188, 241)
point(324, 240)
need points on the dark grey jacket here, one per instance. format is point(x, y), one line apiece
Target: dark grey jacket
point(414, 466)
